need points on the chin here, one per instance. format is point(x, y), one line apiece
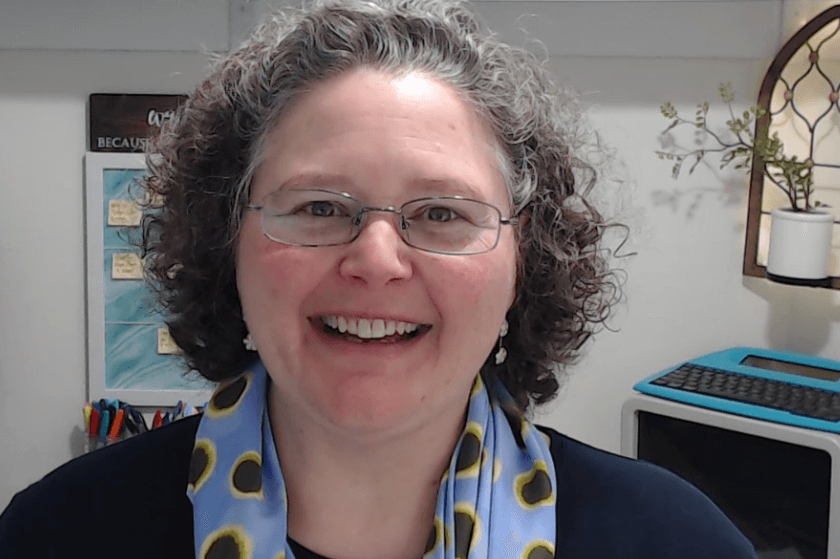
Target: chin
point(376, 410)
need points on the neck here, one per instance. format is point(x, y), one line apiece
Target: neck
point(370, 495)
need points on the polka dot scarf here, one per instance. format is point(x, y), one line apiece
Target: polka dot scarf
point(501, 464)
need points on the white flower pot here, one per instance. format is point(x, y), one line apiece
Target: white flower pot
point(799, 244)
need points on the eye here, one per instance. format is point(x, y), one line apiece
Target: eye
point(440, 214)
point(322, 208)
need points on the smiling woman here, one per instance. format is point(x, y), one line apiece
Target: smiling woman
point(376, 238)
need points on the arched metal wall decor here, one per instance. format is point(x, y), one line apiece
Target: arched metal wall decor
point(784, 98)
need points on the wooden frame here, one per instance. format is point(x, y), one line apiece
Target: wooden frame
point(757, 178)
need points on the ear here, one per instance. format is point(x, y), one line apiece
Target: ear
point(522, 221)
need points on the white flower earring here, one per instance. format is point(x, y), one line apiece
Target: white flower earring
point(501, 355)
point(249, 343)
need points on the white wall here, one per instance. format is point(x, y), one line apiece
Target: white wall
point(685, 292)
point(43, 136)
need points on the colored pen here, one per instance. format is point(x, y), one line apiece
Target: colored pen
point(86, 411)
point(104, 423)
point(94, 422)
point(158, 420)
point(117, 424)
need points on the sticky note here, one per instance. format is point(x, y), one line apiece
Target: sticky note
point(165, 344)
point(124, 213)
point(154, 200)
point(126, 266)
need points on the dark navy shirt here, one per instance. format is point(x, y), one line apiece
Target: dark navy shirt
point(129, 501)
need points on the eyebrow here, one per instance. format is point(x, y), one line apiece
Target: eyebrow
point(450, 186)
point(317, 180)
point(447, 187)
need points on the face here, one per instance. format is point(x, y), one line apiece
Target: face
point(386, 141)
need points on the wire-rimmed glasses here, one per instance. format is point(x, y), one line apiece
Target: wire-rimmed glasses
point(439, 224)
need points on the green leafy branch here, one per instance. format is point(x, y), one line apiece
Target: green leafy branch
point(789, 173)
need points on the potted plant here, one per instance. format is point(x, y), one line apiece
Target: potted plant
point(800, 232)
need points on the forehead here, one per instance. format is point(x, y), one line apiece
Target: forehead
point(365, 128)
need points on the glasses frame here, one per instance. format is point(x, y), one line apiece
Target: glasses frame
point(359, 218)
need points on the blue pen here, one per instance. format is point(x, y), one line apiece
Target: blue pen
point(104, 425)
point(166, 419)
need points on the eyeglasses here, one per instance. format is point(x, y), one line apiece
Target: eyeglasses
point(439, 224)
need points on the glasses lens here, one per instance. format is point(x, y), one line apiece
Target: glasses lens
point(451, 225)
point(308, 217)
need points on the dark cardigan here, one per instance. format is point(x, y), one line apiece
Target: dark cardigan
point(129, 501)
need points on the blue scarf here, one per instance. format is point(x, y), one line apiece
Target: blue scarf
point(239, 495)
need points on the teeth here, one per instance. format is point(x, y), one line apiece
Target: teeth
point(369, 329)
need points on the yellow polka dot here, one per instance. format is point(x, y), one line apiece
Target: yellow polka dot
point(533, 489)
point(229, 396)
point(228, 542)
point(202, 463)
point(478, 386)
point(524, 428)
point(245, 479)
point(281, 555)
point(497, 469)
point(539, 549)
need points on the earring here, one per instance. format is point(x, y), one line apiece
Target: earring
point(249, 343)
point(501, 355)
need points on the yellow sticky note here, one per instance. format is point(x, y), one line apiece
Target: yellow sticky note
point(124, 213)
point(154, 200)
point(165, 344)
point(126, 265)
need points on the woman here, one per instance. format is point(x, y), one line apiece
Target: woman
point(374, 237)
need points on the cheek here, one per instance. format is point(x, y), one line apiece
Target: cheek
point(268, 274)
point(478, 294)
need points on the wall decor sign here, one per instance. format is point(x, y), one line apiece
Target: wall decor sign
point(124, 122)
point(131, 356)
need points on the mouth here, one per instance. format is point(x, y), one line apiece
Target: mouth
point(365, 330)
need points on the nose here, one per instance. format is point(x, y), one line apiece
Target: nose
point(378, 255)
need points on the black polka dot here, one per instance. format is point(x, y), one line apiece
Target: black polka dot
point(201, 463)
point(198, 464)
point(229, 396)
point(247, 476)
point(464, 526)
point(539, 551)
point(538, 489)
point(224, 547)
point(434, 537)
point(469, 454)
